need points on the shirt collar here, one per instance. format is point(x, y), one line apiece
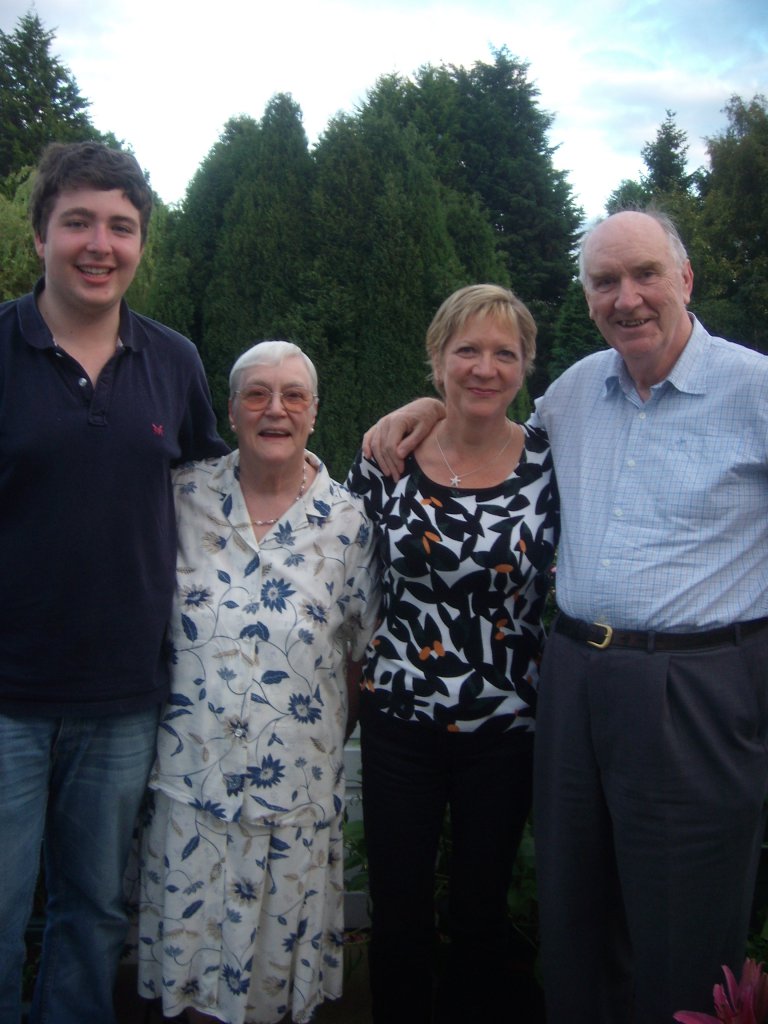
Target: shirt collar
point(37, 333)
point(687, 375)
point(228, 469)
point(689, 372)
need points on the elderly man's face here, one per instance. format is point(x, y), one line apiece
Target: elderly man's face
point(637, 293)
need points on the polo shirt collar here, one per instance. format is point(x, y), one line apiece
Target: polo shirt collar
point(37, 333)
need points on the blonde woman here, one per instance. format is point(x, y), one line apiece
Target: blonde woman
point(468, 532)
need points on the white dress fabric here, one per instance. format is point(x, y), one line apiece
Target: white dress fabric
point(241, 905)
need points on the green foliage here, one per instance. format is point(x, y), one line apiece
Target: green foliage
point(665, 159)
point(19, 262)
point(355, 855)
point(39, 99)
point(522, 896)
point(730, 237)
point(257, 276)
point(161, 288)
point(488, 138)
point(630, 195)
point(575, 334)
point(348, 250)
point(195, 233)
point(722, 215)
point(507, 162)
point(140, 295)
point(522, 406)
point(667, 183)
point(386, 260)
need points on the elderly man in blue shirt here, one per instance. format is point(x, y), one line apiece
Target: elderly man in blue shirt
point(652, 726)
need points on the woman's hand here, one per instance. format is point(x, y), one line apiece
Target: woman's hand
point(398, 433)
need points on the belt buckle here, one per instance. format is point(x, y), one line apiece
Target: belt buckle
point(602, 644)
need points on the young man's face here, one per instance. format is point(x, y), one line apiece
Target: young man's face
point(91, 250)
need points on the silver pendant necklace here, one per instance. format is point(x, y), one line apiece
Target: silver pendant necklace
point(455, 478)
point(271, 522)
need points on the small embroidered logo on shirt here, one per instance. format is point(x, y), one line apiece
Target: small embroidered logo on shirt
point(158, 429)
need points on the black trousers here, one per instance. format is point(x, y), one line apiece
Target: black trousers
point(650, 786)
point(410, 775)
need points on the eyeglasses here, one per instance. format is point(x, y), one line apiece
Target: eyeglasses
point(294, 399)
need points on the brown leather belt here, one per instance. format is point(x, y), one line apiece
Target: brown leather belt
point(598, 634)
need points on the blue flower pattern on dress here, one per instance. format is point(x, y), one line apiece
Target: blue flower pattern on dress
point(249, 770)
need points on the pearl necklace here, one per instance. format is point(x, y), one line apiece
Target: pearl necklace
point(455, 478)
point(271, 522)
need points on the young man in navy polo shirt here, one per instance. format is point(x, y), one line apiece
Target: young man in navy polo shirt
point(96, 404)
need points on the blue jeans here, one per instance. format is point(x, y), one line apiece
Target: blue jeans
point(73, 785)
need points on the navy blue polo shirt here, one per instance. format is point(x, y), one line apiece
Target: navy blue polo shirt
point(87, 524)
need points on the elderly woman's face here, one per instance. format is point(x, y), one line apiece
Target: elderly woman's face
point(274, 433)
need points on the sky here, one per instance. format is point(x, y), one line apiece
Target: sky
point(165, 75)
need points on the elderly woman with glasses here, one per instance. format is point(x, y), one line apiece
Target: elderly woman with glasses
point(241, 887)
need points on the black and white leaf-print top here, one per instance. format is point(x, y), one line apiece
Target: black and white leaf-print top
point(464, 585)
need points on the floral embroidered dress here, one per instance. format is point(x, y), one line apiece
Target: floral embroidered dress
point(464, 579)
point(241, 881)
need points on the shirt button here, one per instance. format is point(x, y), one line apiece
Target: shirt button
point(641, 416)
point(606, 562)
point(631, 463)
point(83, 382)
point(239, 732)
point(618, 512)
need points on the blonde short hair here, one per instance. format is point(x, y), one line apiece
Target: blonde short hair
point(480, 300)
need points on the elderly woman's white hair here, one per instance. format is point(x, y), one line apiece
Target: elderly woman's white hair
point(269, 353)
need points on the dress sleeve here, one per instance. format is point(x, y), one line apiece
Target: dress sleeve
point(362, 594)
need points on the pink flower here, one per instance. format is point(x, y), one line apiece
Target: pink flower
point(745, 1003)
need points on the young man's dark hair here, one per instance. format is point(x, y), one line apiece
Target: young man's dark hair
point(68, 166)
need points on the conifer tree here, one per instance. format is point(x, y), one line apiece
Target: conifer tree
point(575, 334)
point(19, 262)
point(39, 98)
point(386, 260)
point(667, 159)
point(489, 139)
point(194, 234)
point(730, 244)
point(257, 286)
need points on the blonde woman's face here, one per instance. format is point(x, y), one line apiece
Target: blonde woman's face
point(481, 367)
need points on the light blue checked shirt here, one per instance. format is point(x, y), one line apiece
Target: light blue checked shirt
point(664, 502)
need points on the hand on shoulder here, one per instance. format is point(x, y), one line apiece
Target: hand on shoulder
point(397, 434)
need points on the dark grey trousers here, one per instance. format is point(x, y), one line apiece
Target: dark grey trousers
point(651, 772)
